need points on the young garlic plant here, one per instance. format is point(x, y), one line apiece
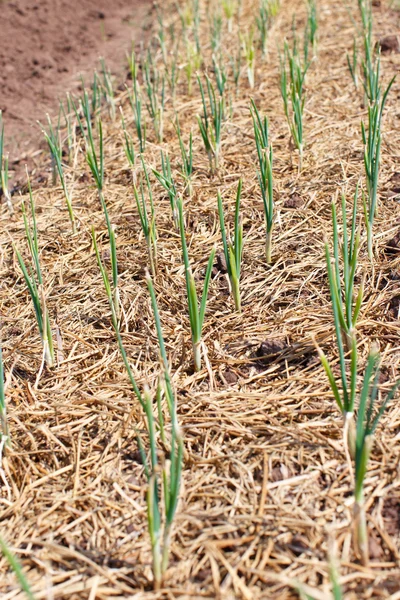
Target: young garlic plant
point(95, 160)
point(293, 93)
point(55, 147)
point(196, 311)
point(233, 250)
point(346, 305)
point(265, 176)
point(229, 8)
point(312, 25)
point(4, 170)
point(187, 158)
point(34, 281)
point(372, 139)
point(171, 477)
point(250, 55)
point(193, 63)
point(352, 63)
point(163, 478)
point(129, 147)
point(368, 417)
point(263, 25)
point(166, 179)
point(155, 89)
point(108, 90)
point(135, 100)
point(147, 218)
point(210, 123)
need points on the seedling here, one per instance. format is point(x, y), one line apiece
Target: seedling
point(210, 123)
point(193, 63)
point(129, 147)
point(155, 88)
point(196, 311)
point(368, 418)
point(263, 24)
point(293, 93)
point(249, 54)
point(233, 250)
point(312, 25)
point(147, 218)
point(372, 139)
point(160, 514)
point(135, 100)
point(56, 153)
point(229, 7)
point(265, 176)
point(34, 281)
point(187, 158)
point(171, 477)
point(165, 178)
point(346, 307)
point(352, 63)
point(108, 89)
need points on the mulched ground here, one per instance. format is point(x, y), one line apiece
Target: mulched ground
point(44, 48)
point(266, 489)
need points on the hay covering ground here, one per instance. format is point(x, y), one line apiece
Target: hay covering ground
point(265, 482)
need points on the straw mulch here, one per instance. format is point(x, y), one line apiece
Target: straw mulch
point(266, 488)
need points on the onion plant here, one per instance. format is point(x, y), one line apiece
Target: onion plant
point(233, 250)
point(34, 281)
point(135, 100)
point(249, 53)
point(293, 93)
point(56, 153)
point(346, 305)
point(187, 158)
point(372, 138)
point(17, 568)
point(368, 417)
point(147, 218)
point(196, 310)
point(4, 169)
point(265, 176)
point(166, 179)
point(163, 478)
point(210, 123)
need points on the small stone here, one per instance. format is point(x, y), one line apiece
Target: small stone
point(389, 44)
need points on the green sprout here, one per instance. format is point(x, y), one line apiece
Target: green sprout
point(196, 311)
point(265, 176)
point(233, 250)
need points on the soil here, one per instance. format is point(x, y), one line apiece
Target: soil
point(46, 46)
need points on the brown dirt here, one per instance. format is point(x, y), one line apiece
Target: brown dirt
point(44, 48)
